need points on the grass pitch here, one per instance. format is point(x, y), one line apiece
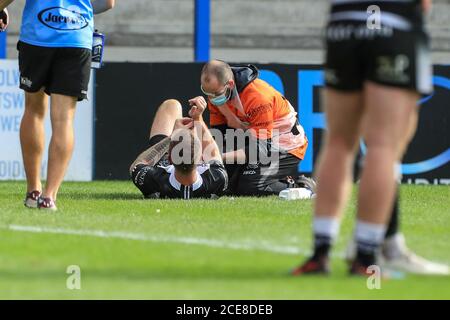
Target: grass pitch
point(128, 248)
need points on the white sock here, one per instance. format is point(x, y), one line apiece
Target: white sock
point(328, 227)
point(371, 234)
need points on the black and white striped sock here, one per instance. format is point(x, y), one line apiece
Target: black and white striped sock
point(369, 237)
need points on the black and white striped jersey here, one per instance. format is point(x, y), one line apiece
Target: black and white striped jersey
point(159, 181)
point(406, 15)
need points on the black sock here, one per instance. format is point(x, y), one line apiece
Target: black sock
point(366, 253)
point(322, 246)
point(393, 225)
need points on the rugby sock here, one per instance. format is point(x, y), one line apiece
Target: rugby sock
point(393, 225)
point(369, 237)
point(325, 232)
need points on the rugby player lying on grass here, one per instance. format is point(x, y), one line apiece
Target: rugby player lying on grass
point(264, 141)
point(183, 160)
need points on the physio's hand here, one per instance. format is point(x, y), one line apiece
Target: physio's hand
point(183, 123)
point(234, 122)
point(198, 106)
point(4, 19)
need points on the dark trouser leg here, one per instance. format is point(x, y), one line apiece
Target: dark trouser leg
point(267, 180)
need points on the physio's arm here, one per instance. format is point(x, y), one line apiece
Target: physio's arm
point(234, 157)
point(101, 6)
point(5, 3)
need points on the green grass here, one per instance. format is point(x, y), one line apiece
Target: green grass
point(248, 255)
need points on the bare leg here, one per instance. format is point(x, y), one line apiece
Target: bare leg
point(391, 114)
point(334, 174)
point(61, 143)
point(32, 137)
point(166, 115)
point(168, 112)
point(413, 121)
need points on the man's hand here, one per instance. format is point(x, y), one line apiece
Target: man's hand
point(234, 122)
point(198, 106)
point(5, 3)
point(4, 19)
point(183, 123)
point(101, 6)
point(426, 6)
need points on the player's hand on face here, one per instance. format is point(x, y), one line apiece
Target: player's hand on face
point(198, 106)
point(4, 19)
point(183, 123)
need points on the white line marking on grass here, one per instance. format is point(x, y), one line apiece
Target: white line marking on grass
point(244, 245)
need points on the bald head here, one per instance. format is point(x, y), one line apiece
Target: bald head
point(217, 70)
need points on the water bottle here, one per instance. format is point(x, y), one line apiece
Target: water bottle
point(296, 194)
point(97, 50)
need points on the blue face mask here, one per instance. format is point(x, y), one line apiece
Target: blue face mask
point(220, 100)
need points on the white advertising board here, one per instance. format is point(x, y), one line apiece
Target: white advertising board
point(12, 103)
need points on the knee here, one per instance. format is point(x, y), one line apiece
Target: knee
point(172, 106)
point(342, 144)
point(37, 111)
point(381, 150)
point(381, 143)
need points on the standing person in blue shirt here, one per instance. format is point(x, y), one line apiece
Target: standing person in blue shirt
point(55, 47)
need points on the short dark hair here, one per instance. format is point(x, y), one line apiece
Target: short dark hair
point(184, 151)
point(218, 69)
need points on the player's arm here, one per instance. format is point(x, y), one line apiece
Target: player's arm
point(210, 149)
point(152, 155)
point(101, 6)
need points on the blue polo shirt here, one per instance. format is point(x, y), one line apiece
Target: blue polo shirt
point(58, 23)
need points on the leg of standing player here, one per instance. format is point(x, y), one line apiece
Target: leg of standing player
point(393, 226)
point(62, 113)
point(386, 133)
point(32, 138)
point(344, 113)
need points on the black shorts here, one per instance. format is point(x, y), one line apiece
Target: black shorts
point(386, 56)
point(64, 71)
point(261, 179)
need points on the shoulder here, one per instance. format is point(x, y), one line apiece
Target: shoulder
point(256, 94)
point(213, 169)
point(259, 87)
point(141, 172)
point(214, 177)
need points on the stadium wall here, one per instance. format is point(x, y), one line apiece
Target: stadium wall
point(114, 129)
point(128, 95)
